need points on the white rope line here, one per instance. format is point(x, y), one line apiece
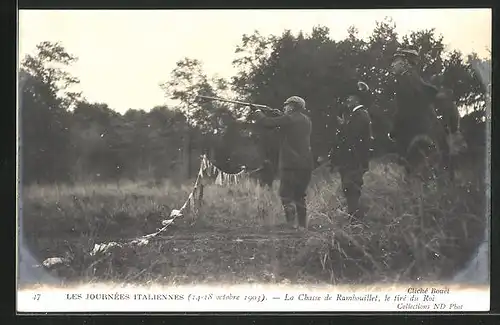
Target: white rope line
point(206, 167)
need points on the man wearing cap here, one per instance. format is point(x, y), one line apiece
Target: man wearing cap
point(405, 63)
point(351, 152)
point(295, 157)
point(415, 114)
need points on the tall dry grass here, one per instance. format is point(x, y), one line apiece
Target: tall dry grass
point(411, 232)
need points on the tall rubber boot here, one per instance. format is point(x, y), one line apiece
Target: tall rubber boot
point(290, 212)
point(302, 213)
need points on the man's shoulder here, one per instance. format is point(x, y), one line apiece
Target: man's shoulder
point(300, 117)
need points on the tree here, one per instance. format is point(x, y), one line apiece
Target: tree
point(317, 68)
point(206, 119)
point(187, 82)
point(96, 141)
point(45, 121)
point(381, 45)
point(68, 135)
point(48, 65)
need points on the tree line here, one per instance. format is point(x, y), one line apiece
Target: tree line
point(66, 138)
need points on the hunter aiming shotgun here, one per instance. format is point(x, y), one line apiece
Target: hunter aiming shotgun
point(264, 108)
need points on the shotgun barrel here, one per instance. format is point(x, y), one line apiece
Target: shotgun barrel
point(262, 107)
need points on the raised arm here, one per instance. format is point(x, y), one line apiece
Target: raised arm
point(276, 121)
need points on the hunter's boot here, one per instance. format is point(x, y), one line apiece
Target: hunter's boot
point(302, 213)
point(290, 213)
point(353, 207)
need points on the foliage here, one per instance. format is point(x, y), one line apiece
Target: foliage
point(45, 120)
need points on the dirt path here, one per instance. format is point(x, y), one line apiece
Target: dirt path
point(242, 234)
point(184, 254)
point(199, 253)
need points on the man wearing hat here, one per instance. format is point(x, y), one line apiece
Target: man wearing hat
point(405, 62)
point(351, 152)
point(415, 97)
point(295, 157)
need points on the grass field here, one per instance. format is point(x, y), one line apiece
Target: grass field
point(410, 233)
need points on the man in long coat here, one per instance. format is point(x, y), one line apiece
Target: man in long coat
point(295, 157)
point(352, 149)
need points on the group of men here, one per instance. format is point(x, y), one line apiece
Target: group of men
point(350, 153)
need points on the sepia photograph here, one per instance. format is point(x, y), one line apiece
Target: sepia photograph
point(312, 149)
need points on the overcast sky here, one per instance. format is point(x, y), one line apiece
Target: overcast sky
point(125, 54)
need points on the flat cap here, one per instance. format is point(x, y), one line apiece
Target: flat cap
point(300, 102)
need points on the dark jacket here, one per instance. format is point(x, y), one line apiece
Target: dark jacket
point(415, 113)
point(295, 130)
point(353, 140)
point(412, 90)
point(446, 107)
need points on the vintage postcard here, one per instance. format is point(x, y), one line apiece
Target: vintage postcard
point(254, 160)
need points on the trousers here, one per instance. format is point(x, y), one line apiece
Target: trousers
point(352, 183)
point(293, 188)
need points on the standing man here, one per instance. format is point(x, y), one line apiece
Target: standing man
point(295, 157)
point(351, 152)
point(414, 98)
point(417, 130)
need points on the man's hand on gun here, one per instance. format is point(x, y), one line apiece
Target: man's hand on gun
point(258, 113)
